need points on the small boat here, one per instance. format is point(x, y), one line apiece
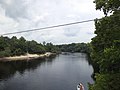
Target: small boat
point(80, 87)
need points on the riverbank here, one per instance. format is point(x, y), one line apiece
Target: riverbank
point(27, 57)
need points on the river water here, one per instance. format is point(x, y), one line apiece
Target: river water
point(62, 72)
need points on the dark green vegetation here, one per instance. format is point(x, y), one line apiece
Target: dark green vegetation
point(75, 47)
point(8, 69)
point(106, 47)
point(13, 46)
point(108, 5)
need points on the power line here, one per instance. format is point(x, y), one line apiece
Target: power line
point(55, 26)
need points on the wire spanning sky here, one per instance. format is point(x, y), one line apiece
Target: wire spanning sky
point(46, 28)
point(19, 15)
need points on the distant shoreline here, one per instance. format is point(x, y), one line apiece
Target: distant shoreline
point(26, 57)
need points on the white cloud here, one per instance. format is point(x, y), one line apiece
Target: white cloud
point(16, 15)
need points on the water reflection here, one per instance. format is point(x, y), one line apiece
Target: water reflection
point(62, 72)
point(8, 69)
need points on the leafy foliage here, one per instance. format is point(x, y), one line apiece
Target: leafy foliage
point(106, 47)
point(13, 46)
point(75, 47)
point(107, 5)
point(106, 82)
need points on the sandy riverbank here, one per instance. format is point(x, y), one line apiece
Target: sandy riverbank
point(27, 57)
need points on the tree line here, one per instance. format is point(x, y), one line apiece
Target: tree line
point(20, 46)
point(106, 47)
point(15, 47)
point(75, 47)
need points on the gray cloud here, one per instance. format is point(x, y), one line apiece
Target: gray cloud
point(72, 31)
point(16, 15)
point(14, 8)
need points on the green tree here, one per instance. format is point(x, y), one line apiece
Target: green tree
point(108, 5)
point(75, 47)
point(106, 46)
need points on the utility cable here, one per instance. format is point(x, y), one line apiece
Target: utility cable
point(49, 27)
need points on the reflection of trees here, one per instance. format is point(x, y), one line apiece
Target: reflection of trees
point(88, 58)
point(8, 69)
point(95, 67)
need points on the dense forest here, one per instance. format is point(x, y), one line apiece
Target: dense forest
point(106, 46)
point(15, 47)
point(75, 47)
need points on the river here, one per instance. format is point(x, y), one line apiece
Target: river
point(62, 72)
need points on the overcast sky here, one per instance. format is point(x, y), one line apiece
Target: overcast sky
point(18, 15)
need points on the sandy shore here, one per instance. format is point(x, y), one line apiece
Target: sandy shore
point(27, 57)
